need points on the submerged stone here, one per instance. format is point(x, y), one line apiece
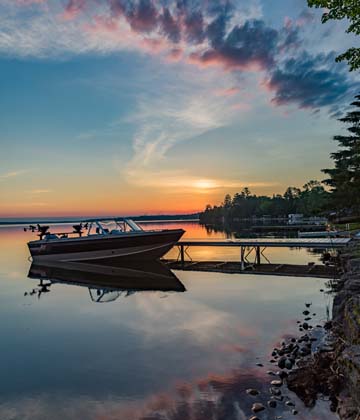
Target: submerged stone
point(277, 383)
point(257, 407)
point(252, 391)
point(272, 404)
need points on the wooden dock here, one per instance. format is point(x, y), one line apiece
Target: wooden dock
point(317, 270)
point(259, 245)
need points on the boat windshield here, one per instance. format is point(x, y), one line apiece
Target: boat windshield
point(114, 226)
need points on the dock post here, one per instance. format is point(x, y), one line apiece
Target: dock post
point(242, 261)
point(258, 255)
point(182, 255)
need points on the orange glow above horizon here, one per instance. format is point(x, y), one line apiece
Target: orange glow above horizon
point(78, 198)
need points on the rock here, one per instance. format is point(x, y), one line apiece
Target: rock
point(305, 325)
point(257, 407)
point(272, 404)
point(328, 325)
point(271, 373)
point(254, 418)
point(252, 391)
point(288, 364)
point(259, 365)
point(308, 305)
point(305, 351)
point(294, 412)
point(282, 374)
point(289, 404)
point(306, 313)
point(281, 362)
point(275, 391)
point(276, 382)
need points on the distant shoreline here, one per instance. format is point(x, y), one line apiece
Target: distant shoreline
point(64, 220)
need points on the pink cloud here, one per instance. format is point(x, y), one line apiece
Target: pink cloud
point(287, 22)
point(175, 55)
point(241, 107)
point(116, 31)
point(213, 58)
point(73, 8)
point(232, 91)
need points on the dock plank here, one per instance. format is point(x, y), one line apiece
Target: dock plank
point(322, 243)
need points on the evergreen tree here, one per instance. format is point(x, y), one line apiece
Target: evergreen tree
point(344, 178)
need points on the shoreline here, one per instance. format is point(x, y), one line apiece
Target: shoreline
point(346, 330)
point(333, 369)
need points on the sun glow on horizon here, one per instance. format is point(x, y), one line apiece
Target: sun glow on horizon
point(205, 184)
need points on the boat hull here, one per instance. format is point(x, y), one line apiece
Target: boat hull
point(128, 247)
point(146, 276)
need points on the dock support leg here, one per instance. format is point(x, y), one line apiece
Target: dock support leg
point(242, 261)
point(182, 255)
point(258, 255)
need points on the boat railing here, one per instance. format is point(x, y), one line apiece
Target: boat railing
point(87, 229)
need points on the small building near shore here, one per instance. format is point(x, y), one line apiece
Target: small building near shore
point(295, 218)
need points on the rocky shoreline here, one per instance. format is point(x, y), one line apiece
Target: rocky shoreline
point(324, 362)
point(333, 369)
point(346, 330)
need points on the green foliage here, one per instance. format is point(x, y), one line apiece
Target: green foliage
point(344, 178)
point(338, 10)
point(310, 201)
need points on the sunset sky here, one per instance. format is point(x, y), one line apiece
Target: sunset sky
point(114, 107)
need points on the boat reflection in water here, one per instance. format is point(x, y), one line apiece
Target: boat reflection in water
point(106, 282)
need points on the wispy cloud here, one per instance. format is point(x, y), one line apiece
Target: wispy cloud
point(40, 191)
point(171, 118)
point(12, 174)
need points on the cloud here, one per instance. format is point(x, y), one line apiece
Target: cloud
point(40, 191)
point(171, 118)
point(224, 35)
point(309, 82)
point(248, 47)
point(12, 174)
point(169, 26)
point(73, 8)
point(232, 91)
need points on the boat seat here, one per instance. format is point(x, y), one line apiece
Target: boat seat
point(115, 232)
point(49, 236)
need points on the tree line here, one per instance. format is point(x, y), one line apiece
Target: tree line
point(339, 193)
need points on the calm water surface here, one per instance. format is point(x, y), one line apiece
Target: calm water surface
point(151, 355)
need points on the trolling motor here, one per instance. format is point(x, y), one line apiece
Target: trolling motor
point(79, 228)
point(43, 230)
point(41, 289)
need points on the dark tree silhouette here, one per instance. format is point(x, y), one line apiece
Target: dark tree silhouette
point(344, 178)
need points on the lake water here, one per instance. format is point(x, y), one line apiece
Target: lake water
point(150, 355)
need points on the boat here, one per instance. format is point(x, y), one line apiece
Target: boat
point(119, 239)
point(105, 282)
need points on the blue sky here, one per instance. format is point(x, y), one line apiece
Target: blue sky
point(141, 106)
